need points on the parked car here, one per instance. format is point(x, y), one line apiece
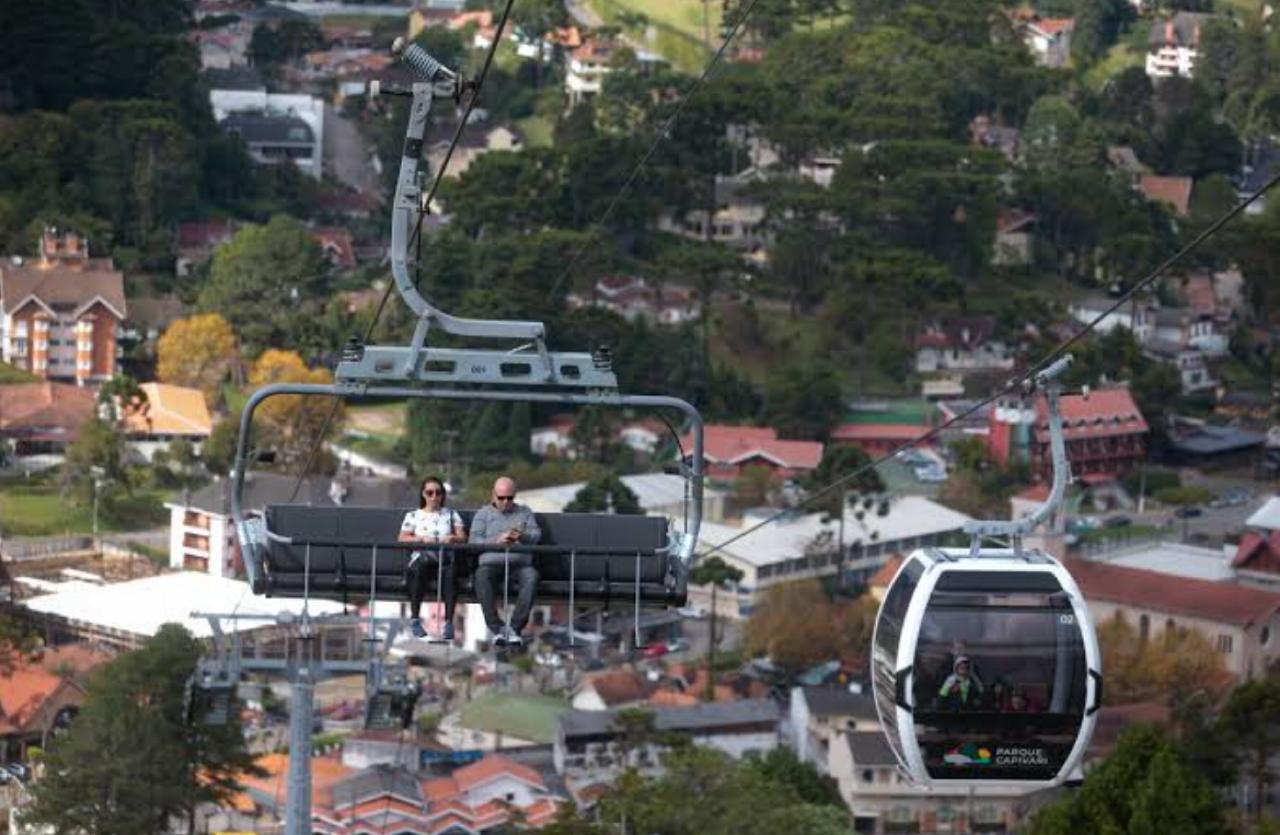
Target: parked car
point(654, 650)
point(694, 612)
point(1118, 522)
point(676, 645)
point(1188, 512)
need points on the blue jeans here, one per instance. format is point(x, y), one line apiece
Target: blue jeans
point(488, 577)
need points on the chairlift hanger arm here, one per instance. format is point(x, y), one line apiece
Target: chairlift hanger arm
point(1047, 381)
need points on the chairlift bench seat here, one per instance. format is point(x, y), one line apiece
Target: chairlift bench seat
point(328, 553)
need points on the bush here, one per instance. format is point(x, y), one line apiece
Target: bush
point(1182, 496)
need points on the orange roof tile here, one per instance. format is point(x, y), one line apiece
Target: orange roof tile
point(1103, 413)
point(24, 690)
point(495, 765)
point(878, 432)
point(883, 577)
point(170, 410)
point(1176, 191)
point(1212, 601)
point(738, 444)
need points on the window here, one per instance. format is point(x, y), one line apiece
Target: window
point(1224, 644)
point(20, 347)
point(868, 776)
point(1265, 637)
point(1144, 627)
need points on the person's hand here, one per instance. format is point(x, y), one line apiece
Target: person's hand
point(511, 537)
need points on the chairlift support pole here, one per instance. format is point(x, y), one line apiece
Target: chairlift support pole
point(1015, 530)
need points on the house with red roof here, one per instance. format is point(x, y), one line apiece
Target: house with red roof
point(1049, 39)
point(877, 439)
point(392, 800)
point(41, 695)
point(962, 343)
point(1175, 192)
point(42, 418)
point(1105, 434)
point(729, 449)
point(1241, 622)
point(198, 241)
point(1257, 558)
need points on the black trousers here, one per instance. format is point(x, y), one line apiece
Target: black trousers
point(424, 566)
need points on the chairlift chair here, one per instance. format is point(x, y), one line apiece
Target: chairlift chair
point(339, 553)
point(210, 695)
point(390, 697)
point(1024, 709)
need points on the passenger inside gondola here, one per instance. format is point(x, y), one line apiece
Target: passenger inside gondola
point(962, 690)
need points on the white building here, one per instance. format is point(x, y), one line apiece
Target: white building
point(658, 493)
point(881, 800)
point(124, 615)
point(1049, 39)
point(800, 547)
point(819, 716)
point(587, 746)
point(274, 126)
point(1174, 45)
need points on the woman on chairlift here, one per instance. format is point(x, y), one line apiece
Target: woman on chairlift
point(432, 524)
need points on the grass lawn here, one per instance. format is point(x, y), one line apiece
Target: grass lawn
point(36, 509)
point(671, 28)
point(537, 131)
point(528, 717)
point(9, 374)
point(1120, 58)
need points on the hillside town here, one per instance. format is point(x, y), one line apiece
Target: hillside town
point(843, 246)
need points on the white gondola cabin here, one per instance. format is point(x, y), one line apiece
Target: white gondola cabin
point(985, 664)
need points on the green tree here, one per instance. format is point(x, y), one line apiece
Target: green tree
point(841, 461)
point(97, 447)
point(715, 572)
point(160, 769)
point(1146, 786)
point(605, 494)
point(219, 450)
point(802, 399)
point(120, 396)
point(1249, 726)
point(259, 280)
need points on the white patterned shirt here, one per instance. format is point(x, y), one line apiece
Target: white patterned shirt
point(427, 524)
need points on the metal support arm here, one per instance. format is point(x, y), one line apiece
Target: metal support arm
point(1046, 380)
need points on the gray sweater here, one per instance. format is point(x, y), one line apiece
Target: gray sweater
point(489, 523)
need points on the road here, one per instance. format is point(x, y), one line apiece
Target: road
point(346, 153)
point(582, 15)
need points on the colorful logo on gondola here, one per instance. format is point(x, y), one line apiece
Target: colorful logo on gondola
point(968, 754)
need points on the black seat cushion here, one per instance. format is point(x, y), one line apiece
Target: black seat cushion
point(349, 567)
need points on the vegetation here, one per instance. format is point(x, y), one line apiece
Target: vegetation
point(198, 352)
point(768, 795)
point(160, 768)
point(827, 630)
point(605, 494)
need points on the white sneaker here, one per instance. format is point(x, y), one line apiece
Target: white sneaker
point(512, 637)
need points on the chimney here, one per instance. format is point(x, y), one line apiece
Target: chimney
point(49, 243)
point(1170, 33)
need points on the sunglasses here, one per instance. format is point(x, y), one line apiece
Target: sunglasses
point(433, 492)
point(510, 498)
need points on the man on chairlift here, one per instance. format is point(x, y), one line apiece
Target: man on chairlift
point(503, 522)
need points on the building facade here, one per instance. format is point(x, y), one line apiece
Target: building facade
point(61, 314)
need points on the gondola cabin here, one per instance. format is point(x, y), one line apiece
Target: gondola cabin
point(986, 668)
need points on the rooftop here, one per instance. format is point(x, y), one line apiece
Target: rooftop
point(704, 716)
point(1176, 559)
point(653, 490)
point(1143, 589)
point(1266, 517)
point(839, 701)
point(1175, 191)
point(140, 607)
point(170, 410)
point(34, 408)
point(262, 489)
point(1216, 440)
point(61, 286)
point(740, 444)
point(909, 517)
point(1102, 413)
point(870, 749)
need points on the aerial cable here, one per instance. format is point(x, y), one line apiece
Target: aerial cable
point(657, 140)
point(417, 234)
point(1018, 383)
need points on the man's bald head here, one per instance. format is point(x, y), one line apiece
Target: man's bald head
point(504, 493)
